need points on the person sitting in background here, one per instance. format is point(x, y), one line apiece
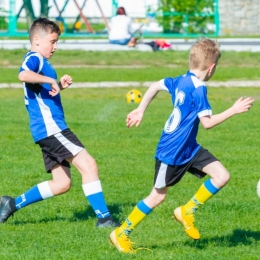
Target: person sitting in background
point(121, 31)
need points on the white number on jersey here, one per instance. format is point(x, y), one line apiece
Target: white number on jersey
point(174, 120)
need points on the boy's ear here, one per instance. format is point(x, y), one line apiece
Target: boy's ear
point(36, 39)
point(211, 68)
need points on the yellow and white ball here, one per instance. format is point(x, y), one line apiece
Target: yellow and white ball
point(134, 96)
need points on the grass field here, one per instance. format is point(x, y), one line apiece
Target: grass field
point(64, 227)
point(131, 66)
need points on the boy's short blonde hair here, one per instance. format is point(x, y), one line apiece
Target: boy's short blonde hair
point(43, 26)
point(204, 53)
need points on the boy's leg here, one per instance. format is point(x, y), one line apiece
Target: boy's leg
point(91, 185)
point(59, 184)
point(120, 236)
point(184, 214)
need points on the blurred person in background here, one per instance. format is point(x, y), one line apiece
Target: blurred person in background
point(121, 31)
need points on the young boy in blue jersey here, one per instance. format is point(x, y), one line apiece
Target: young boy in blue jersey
point(178, 151)
point(59, 146)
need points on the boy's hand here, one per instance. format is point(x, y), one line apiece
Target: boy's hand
point(242, 105)
point(65, 81)
point(134, 118)
point(55, 89)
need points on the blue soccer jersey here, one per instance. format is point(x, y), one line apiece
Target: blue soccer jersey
point(178, 143)
point(45, 112)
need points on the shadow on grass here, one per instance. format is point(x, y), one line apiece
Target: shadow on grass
point(239, 237)
point(87, 214)
point(114, 209)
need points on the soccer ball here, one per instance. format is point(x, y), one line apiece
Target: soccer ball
point(134, 96)
point(258, 189)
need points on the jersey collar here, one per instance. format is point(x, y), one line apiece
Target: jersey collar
point(191, 74)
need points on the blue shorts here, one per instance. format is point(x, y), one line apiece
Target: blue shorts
point(121, 41)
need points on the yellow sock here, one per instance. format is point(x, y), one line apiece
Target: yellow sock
point(140, 211)
point(205, 192)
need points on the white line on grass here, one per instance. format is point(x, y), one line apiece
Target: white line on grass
point(119, 84)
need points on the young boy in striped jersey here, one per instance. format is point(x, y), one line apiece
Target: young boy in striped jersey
point(60, 147)
point(178, 151)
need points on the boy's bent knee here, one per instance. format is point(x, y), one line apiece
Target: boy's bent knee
point(218, 173)
point(84, 162)
point(92, 163)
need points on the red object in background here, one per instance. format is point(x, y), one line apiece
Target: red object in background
point(163, 44)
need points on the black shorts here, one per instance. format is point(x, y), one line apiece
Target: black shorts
point(169, 175)
point(59, 147)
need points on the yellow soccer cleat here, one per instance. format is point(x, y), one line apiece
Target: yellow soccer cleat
point(121, 242)
point(187, 221)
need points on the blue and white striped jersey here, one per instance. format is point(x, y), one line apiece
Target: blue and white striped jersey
point(45, 112)
point(178, 142)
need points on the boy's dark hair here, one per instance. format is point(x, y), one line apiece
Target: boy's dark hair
point(43, 25)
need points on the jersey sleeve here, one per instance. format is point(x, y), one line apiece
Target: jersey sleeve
point(168, 84)
point(202, 103)
point(32, 63)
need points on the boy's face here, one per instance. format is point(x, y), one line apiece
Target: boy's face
point(46, 44)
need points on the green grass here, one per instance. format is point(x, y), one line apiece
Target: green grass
point(138, 74)
point(159, 59)
point(64, 227)
point(131, 66)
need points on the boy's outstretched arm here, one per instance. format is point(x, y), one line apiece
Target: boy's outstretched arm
point(240, 106)
point(29, 76)
point(135, 117)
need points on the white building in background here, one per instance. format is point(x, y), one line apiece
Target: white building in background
point(135, 8)
point(239, 17)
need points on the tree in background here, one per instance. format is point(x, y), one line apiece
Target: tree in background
point(190, 16)
point(44, 12)
point(3, 12)
point(30, 16)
